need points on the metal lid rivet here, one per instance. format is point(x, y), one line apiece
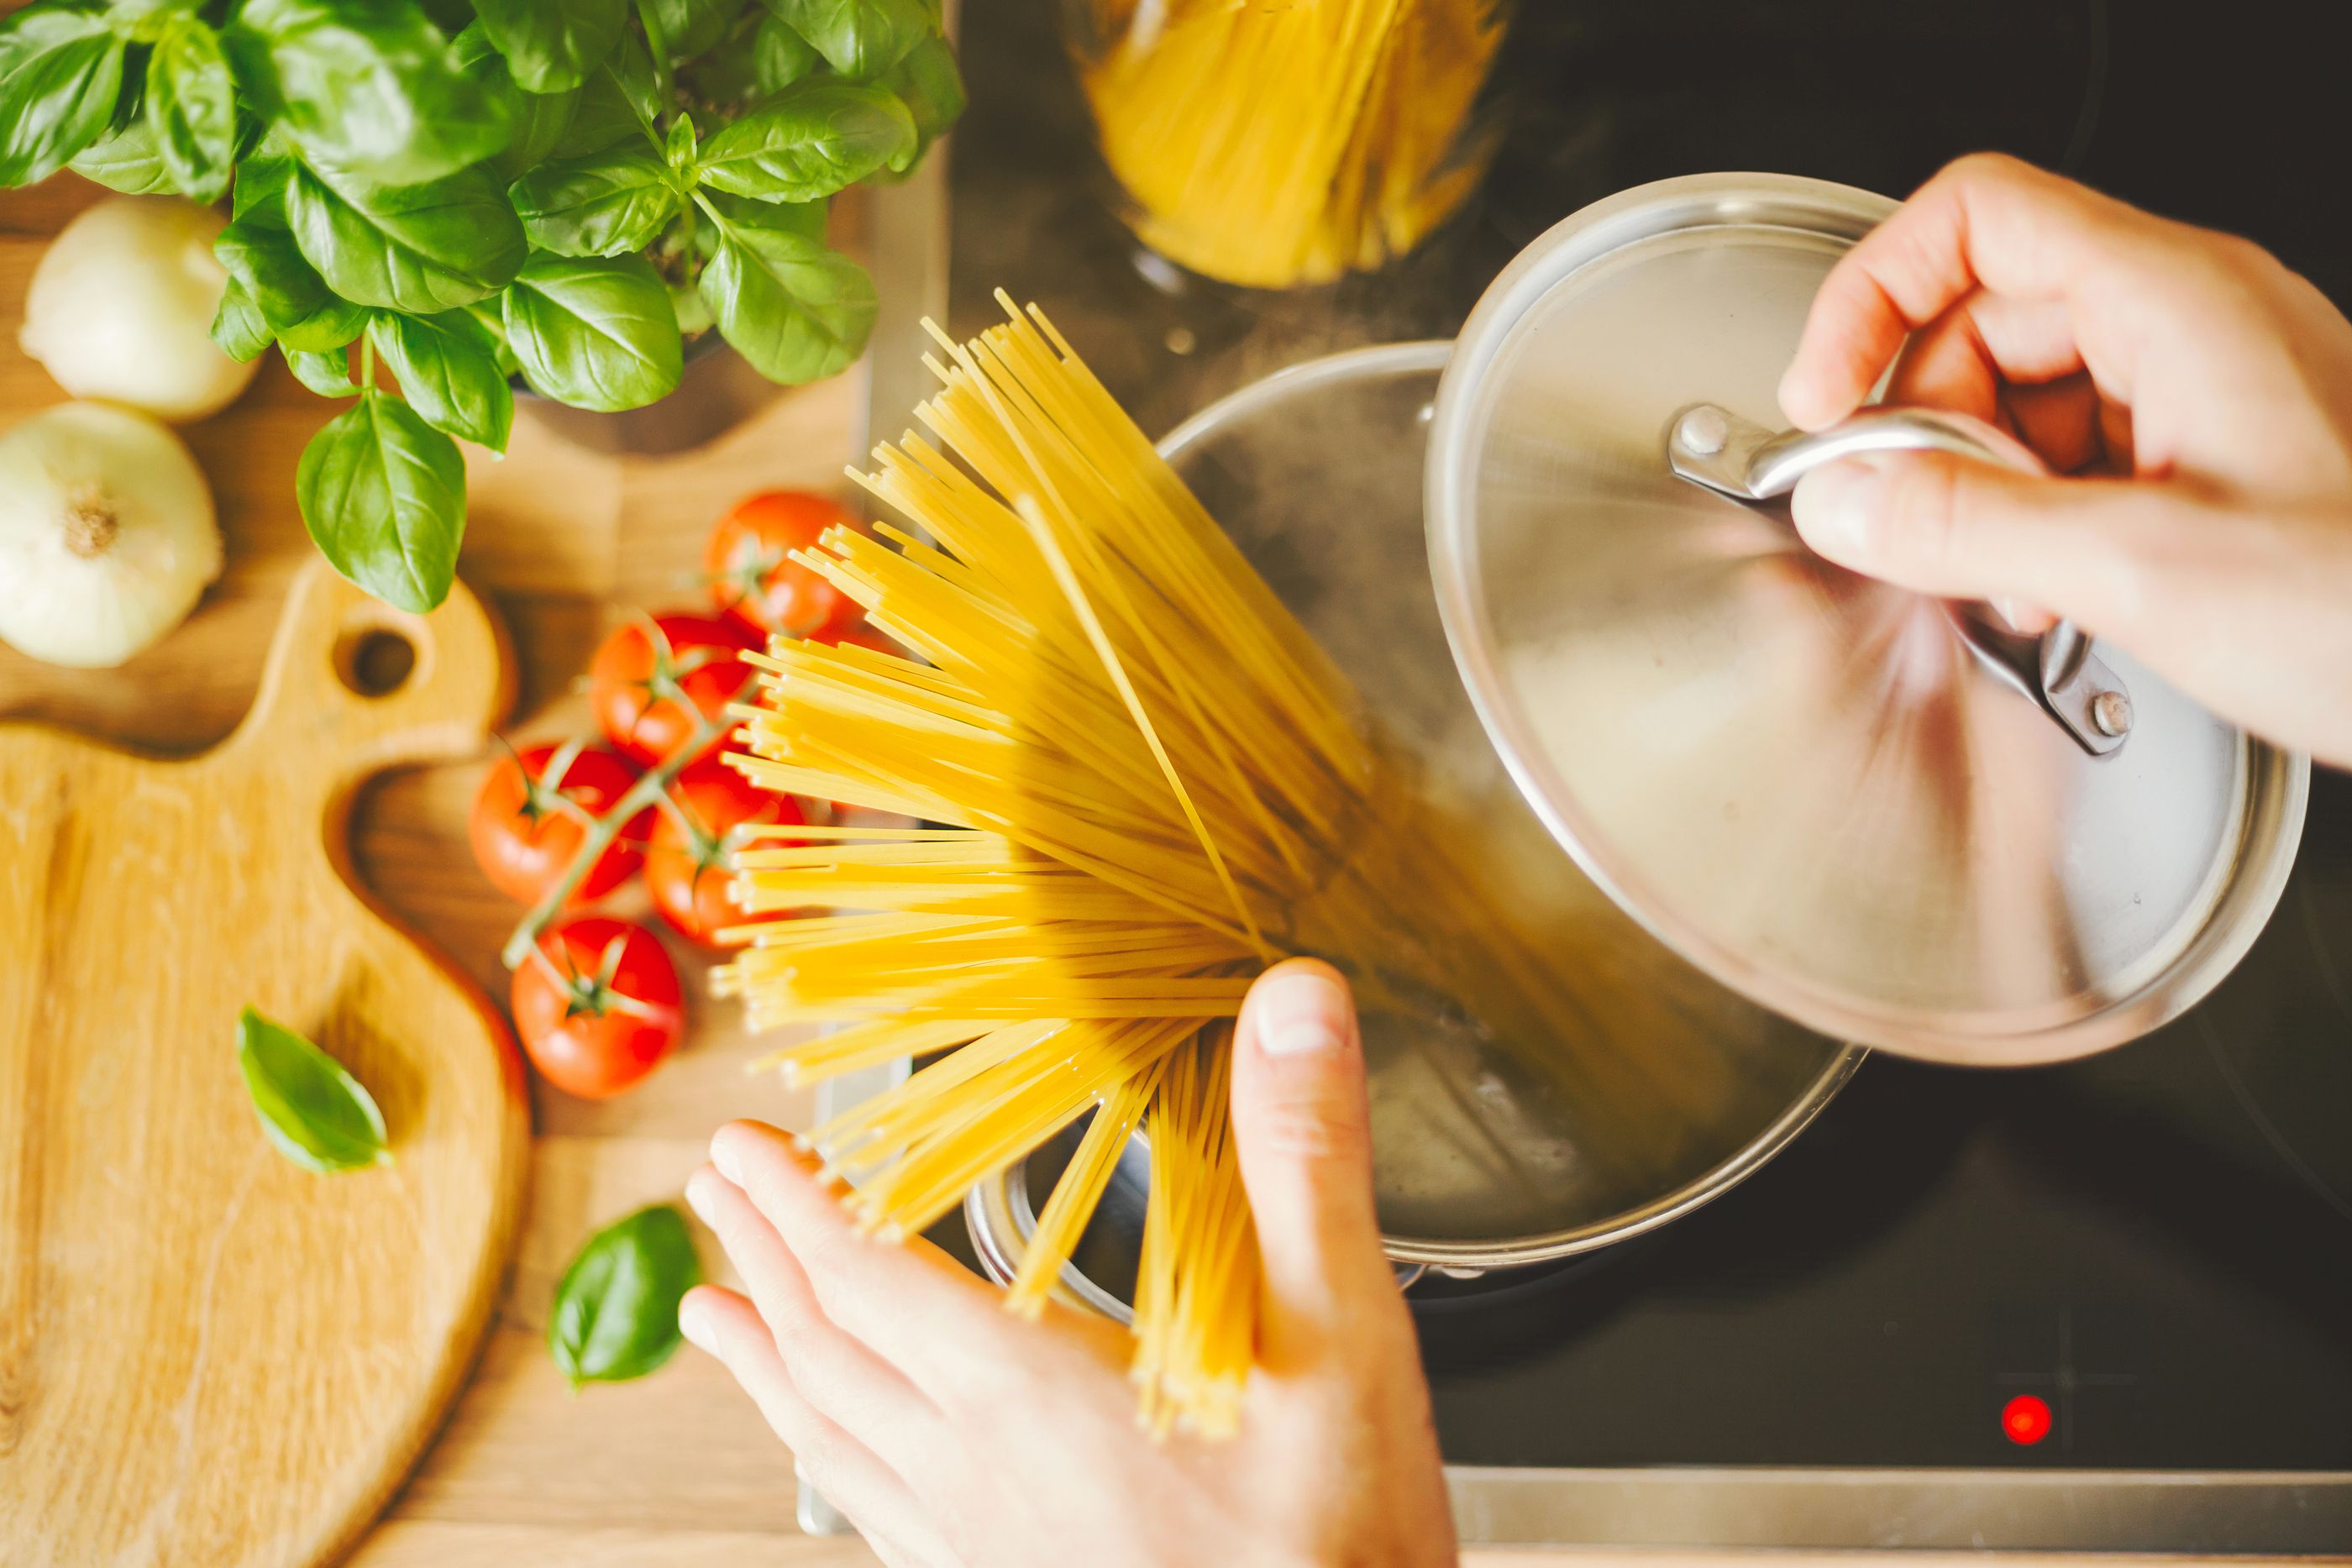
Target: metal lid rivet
point(2111, 712)
point(1703, 431)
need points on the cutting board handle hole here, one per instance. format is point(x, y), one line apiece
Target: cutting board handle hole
point(374, 660)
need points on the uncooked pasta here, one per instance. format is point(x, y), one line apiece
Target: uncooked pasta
point(1274, 142)
point(1138, 783)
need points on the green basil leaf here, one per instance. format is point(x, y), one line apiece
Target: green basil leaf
point(489, 317)
point(688, 27)
point(316, 1115)
point(420, 248)
point(370, 86)
point(261, 188)
point(809, 140)
point(300, 309)
point(127, 161)
point(328, 374)
point(677, 146)
point(615, 1312)
point(858, 38)
point(929, 83)
point(594, 332)
point(781, 56)
point(540, 119)
point(725, 76)
point(798, 311)
point(551, 45)
point(238, 327)
point(449, 370)
point(606, 203)
point(384, 495)
point(192, 108)
point(619, 104)
point(60, 81)
point(803, 218)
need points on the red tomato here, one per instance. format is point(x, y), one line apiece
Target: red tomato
point(752, 574)
point(686, 864)
point(637, 682)
point(597, 1006)
point(527, 825)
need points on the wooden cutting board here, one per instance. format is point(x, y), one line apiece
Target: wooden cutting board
point(208, 1355)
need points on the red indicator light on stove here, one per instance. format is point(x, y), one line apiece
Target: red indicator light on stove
point(2025, 1420)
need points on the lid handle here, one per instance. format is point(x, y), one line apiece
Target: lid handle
point(1712, 446)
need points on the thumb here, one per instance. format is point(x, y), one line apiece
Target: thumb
point(1302, 1132)
point(1961, 528)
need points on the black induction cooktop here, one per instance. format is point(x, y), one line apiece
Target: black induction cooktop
point(2138, 1263)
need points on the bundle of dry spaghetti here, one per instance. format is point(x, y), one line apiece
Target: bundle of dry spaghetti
point(1275, 142)
point(1144, 783)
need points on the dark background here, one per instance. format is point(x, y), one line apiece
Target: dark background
point(2157, 1241)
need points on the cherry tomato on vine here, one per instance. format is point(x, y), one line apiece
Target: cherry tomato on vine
point(639, 677)
point(753, 575)
point(686, 861)
point(598, 1005)
point(531, 817)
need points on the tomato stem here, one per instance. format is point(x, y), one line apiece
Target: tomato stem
point(650, 788)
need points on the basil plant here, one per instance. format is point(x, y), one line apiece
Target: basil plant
point(558, 192)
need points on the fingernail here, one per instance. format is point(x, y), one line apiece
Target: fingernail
point(1300, 1013)
point(1835, 504)
point(722, 1154)
point(694, 1323)
point(698, 1197)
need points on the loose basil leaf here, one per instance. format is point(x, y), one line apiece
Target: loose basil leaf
point(809, 140)
point(798, 311)
point(927, 82)
point(192, 108)
point(594, 332)
point(606, 203)
point(60, 82)
point(384, 495)
point(300, 309)
point(540, 119)
point(238, 325)
point(316, 1115)
point(688, 27)
point(615, 1314)
point(780, 56)
point(421, 248)
point(449, 370)
point(328, 374)
point(127, 161)
point(370, 86)
point(551, 45)
point(859, 38)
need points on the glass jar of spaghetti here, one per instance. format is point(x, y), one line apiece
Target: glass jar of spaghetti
point(1280, 142)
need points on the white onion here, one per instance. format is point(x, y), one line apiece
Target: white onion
point(121, 308)
point(106, 537)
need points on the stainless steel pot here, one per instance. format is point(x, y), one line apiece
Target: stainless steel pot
point(1483, 1161)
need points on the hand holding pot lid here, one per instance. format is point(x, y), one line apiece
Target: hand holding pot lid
point(1884, 814)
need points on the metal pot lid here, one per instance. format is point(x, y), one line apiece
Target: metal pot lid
point(1887, 817)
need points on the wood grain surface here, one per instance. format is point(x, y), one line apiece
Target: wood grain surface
point(211, 1355)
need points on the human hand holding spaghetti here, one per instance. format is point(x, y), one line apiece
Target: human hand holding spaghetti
point(955, 1433)
point(2195, 396)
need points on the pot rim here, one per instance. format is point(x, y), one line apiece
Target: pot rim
point(991, 1210)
